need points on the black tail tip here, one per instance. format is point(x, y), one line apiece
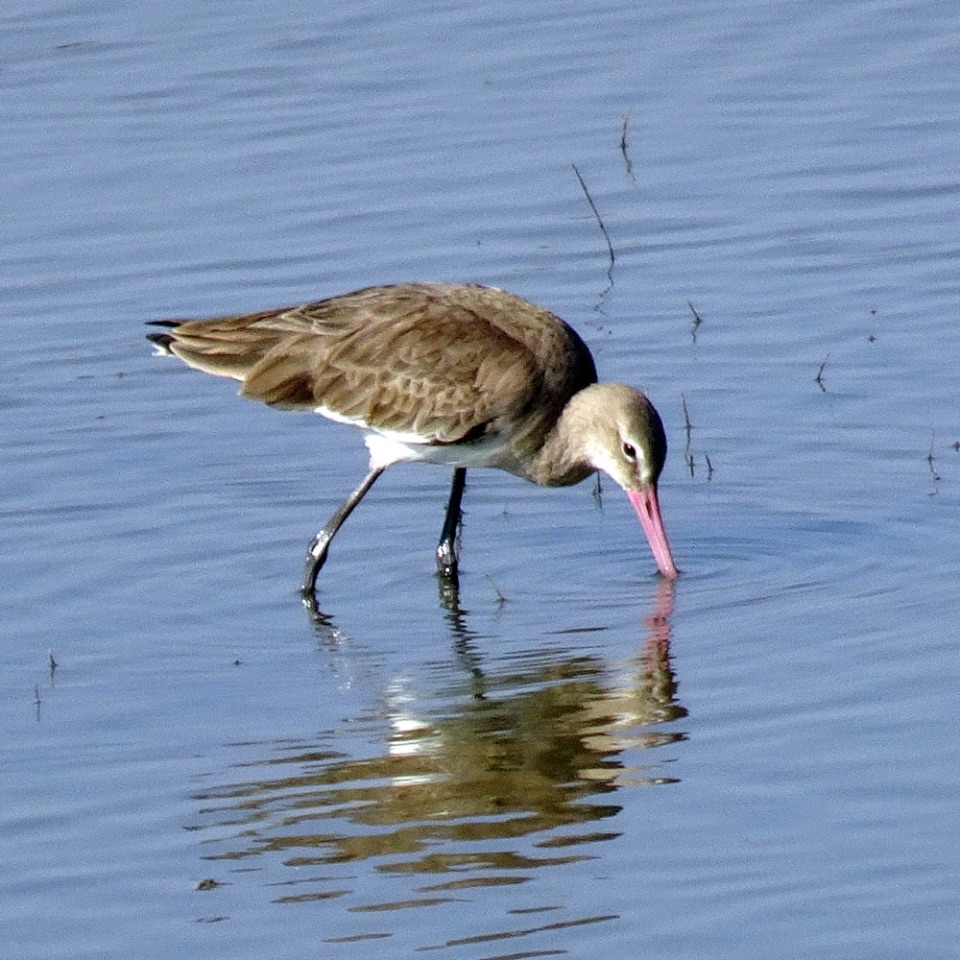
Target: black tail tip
point(162, 340)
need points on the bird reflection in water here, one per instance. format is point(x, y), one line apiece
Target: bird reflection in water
point(521, 772)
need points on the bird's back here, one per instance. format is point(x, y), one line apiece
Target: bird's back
point(442, 362)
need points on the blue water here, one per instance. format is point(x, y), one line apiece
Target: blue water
point(570, 758)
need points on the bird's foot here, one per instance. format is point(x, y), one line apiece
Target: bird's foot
point(316, 557)
point(448, 576)
point(447, 565)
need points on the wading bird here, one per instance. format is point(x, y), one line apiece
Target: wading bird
point(455, 374)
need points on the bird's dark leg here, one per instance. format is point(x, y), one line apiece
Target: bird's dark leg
point(447, 547)
point(317, 553)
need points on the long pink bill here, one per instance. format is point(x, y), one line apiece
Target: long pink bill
point(647, 505)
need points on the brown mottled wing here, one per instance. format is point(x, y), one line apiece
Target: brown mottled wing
point(430, 360)
point(399, 359)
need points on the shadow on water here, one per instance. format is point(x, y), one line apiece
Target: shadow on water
point(518, 771)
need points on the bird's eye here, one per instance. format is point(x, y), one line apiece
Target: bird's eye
point(629, 451)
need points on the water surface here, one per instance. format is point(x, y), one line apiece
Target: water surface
point(570, 757)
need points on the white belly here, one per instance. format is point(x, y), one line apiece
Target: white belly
point(492, 451)
point(388, 447)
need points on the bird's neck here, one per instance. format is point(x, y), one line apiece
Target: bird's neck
point(563, 456)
